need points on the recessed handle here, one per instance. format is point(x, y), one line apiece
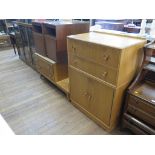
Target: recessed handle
point(74, 49)
point(137, 102)
point(89, 97)
point(106, 57)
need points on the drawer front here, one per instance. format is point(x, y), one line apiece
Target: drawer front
point(90, 94)
point(142, 115)
point(97, 53)
point(141, 104)
point(104, 73)
point(45, 68)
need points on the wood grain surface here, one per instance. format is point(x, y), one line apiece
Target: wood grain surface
point(33, 106)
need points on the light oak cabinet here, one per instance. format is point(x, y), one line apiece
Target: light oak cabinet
point(91, 95)
point(100, 68)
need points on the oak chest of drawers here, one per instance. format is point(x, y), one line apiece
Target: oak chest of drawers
point(100, 68)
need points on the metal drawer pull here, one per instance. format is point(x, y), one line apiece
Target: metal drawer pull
point(104, 74)
point(85, 94)
point(74, 49)
point(89, 97)
point(106, 57)
point(137, 102)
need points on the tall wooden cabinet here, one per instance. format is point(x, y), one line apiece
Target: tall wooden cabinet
point(25, 43)
point(100, 68)
point(54, 66)
point(39, 40)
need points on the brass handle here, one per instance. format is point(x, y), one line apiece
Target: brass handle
point(89, 97)
point(104, 74)
point(106, 57)
point(74, 49)
point(134, 110)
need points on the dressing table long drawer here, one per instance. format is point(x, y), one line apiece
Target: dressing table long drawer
point(102, 72)
point(100, 54)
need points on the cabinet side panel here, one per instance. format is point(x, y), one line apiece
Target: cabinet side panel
point(130, 61)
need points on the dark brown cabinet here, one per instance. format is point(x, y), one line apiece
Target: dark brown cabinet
point(25, 43)
point(38, 35)
point(56, 37)
point(139, 112)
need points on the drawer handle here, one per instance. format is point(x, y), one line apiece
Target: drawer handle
point(106, 57)
point(137, 102)
point(89, 97)
point(134, 110)
point(104, 74)
point(74, 49)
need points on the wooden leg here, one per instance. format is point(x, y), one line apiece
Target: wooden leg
point(14, 48)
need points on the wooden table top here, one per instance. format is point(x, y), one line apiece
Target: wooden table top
point(115, 41)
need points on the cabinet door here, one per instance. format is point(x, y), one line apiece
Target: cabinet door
point(90, 94)
point(39, 43)
point(51, 47)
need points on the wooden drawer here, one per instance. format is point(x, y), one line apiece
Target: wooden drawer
point(100, 54)
point(141, 104)
point(90, 94)
point(104, 73)
point(136, 125)
point(45, 68)
point(142, 115)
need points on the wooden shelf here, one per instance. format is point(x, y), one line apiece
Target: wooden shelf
point(64, 85)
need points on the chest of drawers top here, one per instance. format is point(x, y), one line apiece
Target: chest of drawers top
point(114, 41)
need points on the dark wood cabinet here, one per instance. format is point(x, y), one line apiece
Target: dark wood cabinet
point(55, 36)
point(25, 43)
point(139, 111)
point(39, 40)
point(56, 33)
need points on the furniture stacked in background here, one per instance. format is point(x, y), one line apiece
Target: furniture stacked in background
point(50, 39)
point(25, 43)
point(6, 25)
point(4, 42)
point(101, 66)
point(139, 110)
point(120, 25)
